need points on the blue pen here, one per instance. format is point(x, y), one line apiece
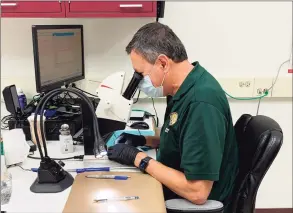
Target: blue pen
point(97, 169)
point(91, 169)
point(102, 169)
point(115, 177)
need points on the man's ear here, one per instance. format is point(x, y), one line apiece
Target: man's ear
point(164, 62)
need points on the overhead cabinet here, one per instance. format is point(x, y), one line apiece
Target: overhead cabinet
point(43, 9)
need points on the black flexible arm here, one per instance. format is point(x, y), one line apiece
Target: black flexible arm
point(42, 104)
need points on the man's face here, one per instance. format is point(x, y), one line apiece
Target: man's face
point(155, 71)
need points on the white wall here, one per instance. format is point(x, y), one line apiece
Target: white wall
point(229, 39)
point(105, 41)
point(235, 39)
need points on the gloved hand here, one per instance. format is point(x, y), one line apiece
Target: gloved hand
point(123, 153)
point(130, 139)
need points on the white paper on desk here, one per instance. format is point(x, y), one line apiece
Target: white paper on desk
point(16, 148)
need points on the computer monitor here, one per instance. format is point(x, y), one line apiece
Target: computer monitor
point(58, 55)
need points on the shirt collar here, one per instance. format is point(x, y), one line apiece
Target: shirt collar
point(189, 81)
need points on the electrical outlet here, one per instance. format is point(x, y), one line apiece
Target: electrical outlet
point(247, 83)
point(244, 83)
point(261, 86)
point(237, 87)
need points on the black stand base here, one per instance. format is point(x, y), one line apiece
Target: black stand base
point(60, 186)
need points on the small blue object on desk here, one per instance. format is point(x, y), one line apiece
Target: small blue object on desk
point(115, 177)
point(93, 169)
point(105, 169)
point(98, 169)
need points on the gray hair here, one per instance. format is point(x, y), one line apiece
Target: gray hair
point(154, 39)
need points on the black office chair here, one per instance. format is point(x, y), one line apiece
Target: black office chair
point(260, 139)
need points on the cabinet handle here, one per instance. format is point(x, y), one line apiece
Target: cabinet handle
point(8, 4)
point(130, 5)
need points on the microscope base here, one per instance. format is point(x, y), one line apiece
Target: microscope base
point(60, 186)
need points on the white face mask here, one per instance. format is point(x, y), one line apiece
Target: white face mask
point(148, 88)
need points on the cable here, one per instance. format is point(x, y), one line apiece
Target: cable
point(98, 143)
point(5, 120)
point(80, 157)
point(85, 91)
point(137, 97)
point(266, 92)
point(278, 74)
point(26, 113)
point(18, 166)
point(71, 98)
point(23, 168)
point(245, 99)
point(258, 106)
point(65, 100)
point(157, 124)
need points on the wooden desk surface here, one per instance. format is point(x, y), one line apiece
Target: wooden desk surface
point(85, 190)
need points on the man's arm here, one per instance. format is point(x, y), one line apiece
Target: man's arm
point(201, 154)
point(202, 139)
point(152, 141)
point(196, 191)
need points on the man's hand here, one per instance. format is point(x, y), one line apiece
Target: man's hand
point(123, 153)
point(130, 139)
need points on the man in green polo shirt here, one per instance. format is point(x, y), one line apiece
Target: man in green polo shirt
point(198, 154)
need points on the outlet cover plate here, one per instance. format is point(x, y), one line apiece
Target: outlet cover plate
point(237, 87)
point(260, 85)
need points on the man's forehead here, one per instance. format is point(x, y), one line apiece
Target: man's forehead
point(138, 62)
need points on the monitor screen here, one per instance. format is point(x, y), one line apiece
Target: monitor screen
point(58, 54)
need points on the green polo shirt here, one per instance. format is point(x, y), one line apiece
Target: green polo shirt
point(198, 137)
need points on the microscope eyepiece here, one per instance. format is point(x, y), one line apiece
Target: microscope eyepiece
point(132, 86)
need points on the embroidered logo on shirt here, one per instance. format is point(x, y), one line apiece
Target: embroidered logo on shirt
point(166, 130)
point(173, 118)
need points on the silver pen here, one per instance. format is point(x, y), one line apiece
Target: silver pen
point(117, 199)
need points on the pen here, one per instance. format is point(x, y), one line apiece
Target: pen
point(115, 177)
point(92, 169)
point(104, 169)
point(117, 199)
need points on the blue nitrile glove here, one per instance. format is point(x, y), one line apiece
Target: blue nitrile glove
point(131, 140)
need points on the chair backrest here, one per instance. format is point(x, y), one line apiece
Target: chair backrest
point(259, 139)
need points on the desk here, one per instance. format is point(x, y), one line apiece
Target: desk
point(23, 200)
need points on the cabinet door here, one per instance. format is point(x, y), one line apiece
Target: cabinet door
point(111, 9)
point(28, 9)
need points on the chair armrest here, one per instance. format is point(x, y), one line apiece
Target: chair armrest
point(182, 205)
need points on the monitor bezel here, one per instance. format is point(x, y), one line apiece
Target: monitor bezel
point(44, 88)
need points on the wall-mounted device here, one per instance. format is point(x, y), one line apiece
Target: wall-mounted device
point(58, 55)
point(11, 100)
